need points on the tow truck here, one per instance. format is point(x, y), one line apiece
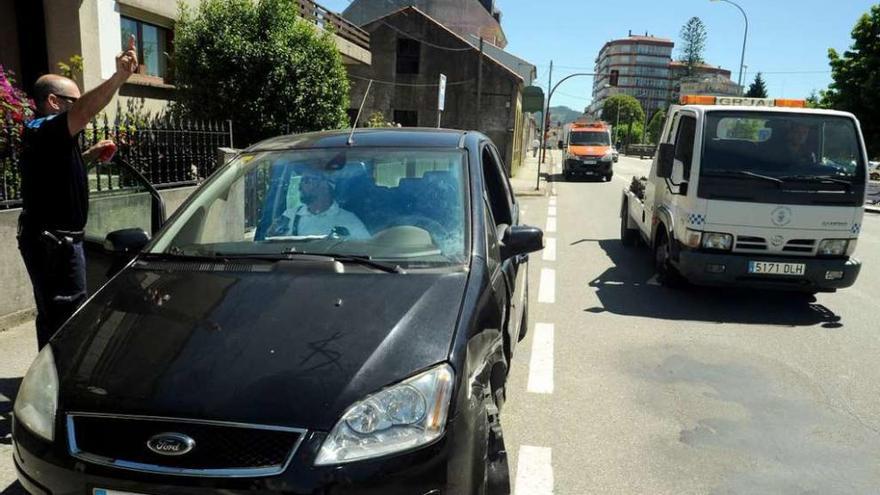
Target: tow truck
point(752, 192)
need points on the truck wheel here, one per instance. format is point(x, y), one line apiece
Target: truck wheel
point(628, 237)
point(567, 175)
point(609, 176)
point(666, 273)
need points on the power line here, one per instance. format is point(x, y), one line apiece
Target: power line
point(409, 85)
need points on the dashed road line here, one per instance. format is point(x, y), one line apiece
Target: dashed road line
point(549, 253)
point(534, 471)
point(547, 287)
point(551, 225)
point(541, 360)
point(551, 211)
point(552, 201)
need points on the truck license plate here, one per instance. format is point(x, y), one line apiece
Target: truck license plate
point(767, 268)
point(589, 162)
point(101, 491)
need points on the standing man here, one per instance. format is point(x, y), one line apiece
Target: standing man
point(535, 145)
point(55, 191)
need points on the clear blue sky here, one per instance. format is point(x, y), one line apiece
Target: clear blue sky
point(788, 39)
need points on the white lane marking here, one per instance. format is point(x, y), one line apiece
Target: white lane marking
point(547, 289)
point(551, 225)
point(534, 471)
point(541, 361)
point(552, 201)
point(549, 249)
point(551, 211)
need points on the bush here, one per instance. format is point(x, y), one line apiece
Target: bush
point(257, 64)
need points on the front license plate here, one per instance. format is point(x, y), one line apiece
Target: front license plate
point(768, 268)
point(589, 162)
point(102, 491)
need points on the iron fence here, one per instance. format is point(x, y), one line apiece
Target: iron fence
point(169, 153)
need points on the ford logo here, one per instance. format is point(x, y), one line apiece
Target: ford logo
point(171, 444)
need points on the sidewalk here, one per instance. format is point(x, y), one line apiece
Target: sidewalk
point(526, 183)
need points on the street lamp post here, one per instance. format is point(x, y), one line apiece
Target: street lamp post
point(742, 59)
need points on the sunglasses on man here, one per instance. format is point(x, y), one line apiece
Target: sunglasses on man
point(71, 99)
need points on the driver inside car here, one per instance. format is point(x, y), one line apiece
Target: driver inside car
point(319, 214)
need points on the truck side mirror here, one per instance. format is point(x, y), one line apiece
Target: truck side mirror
point(665, 160)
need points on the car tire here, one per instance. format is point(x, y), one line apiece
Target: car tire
point(667, 274)
point(608, 177)
point(497, 473)
point(567, 175)
point(628, 237)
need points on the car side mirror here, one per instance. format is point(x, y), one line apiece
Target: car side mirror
point(126, 241)
point(521, 239)
point(665, 160)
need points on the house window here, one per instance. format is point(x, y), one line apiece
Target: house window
point(153, 45)
point(408, 56)
point(406, 118)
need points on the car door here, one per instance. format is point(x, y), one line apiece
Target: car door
point(120, 198)
point(505, 213)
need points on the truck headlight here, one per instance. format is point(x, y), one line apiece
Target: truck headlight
point(608, 157)
point(718, 241)
point(37, 399)
point(833, 247)
point(401, 417)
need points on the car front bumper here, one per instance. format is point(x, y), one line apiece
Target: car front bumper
point(703, 268)
point(47, 468)
point(578, 167)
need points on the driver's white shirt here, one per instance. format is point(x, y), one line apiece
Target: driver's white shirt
point(324, 222)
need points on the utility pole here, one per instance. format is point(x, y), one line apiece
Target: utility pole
point(544, 122)
point(480, 87)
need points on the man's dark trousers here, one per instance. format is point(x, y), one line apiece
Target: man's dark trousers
point(58, 274)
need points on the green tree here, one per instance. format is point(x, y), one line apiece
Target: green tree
point(655, 126)
point(856, 78)
point(758, 88)
point(630, 111)
point(693, 37)
point(814, 100)
point(256, 63)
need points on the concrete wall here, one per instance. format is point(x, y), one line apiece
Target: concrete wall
point(500, 92)
point(105, 214)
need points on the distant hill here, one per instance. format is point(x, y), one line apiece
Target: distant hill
point(563, 114)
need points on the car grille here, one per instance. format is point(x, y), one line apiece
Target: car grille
point(748, 243)
point(221, 449)
point(803, 246)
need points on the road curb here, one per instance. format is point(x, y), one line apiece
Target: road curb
point(873, 209)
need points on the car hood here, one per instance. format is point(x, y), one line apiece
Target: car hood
point(589, 150)
point(279, 347)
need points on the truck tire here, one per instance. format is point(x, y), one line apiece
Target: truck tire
point(667, 274)
point(628, 237)
point(609, 176)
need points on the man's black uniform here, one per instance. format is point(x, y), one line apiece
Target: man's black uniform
point(55, 194)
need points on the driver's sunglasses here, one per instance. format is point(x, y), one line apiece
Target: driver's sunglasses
point(71, 99)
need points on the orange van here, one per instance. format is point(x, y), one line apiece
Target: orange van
point(588, 151)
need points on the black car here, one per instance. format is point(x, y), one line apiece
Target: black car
point(324, 315)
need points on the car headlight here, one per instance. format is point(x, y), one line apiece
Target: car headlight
point(833, 247)
point(398, 418)
point(608, 156)
point(715, 240)
point(37, 399)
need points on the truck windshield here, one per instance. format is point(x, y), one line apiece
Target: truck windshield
point(583, 138)
point(793, 148)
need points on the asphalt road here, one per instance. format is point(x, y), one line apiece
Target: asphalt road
point(623, 386)
point(704, 391)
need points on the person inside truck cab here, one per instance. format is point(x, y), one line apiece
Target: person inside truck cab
point(797, 148)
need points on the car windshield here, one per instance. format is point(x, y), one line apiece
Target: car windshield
point(582, 138)
point(401, 205)
point(783, 146)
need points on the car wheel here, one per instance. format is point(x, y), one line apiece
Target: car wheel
point(567, 175)
point(497, 478)
point(608, 177)
point(628, 237)
point(666, 272)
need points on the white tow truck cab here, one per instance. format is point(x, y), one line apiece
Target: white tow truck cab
point(752, 192)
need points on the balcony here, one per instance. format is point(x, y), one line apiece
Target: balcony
point(353, 42)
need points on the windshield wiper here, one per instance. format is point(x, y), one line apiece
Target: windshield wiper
point(743, 173)
point(344, 258)
point(822, 179)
